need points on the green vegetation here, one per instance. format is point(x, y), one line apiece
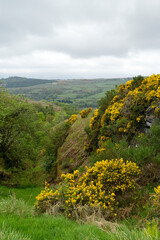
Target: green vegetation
point(29, 140)
point(82, 93)
point(17, 82)
point(18, 222)
point(124, 128)
point(71, 154)
point(119, 143)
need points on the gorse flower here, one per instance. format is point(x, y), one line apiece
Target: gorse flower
point(44, 198)
point(98, 186)
point(84, 113)
point(94, 122)
point(126, 112)
point(72, 119)
point(157, 196)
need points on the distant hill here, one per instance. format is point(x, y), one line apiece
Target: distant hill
point(83, 93)
point(16, 82)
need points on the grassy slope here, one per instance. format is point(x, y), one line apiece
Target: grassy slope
point(45, 104)
point(71, 155)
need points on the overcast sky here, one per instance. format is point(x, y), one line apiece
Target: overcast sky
point(79, 38)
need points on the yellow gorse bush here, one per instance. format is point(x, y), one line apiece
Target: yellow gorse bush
point(44, 198)
point(94, 124)
point(98, 186)
point(84, 113)
point(148, 91)
point(157, 196)
point(99, 150)
point(126, 112)
point(72, 119)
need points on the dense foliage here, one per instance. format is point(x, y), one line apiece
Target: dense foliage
point(84, 113)
point(126, 112)
point(125, 128)
point(97, 187)
point(28, 141)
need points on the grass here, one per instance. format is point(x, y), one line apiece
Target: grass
point(10, 234)
point(71, 154)
point(60, 228)
point(27, 194)
point(12, 205)
point(48, 228)
point(18, 222)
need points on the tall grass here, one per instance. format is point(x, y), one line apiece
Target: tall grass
point(15, 206)
point(10, 234)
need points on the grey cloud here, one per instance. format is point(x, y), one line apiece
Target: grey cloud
point(144, 25)
point(60, 25)
point(81, 30)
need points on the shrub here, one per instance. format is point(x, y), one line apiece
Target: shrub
point(72, 119)
point(44, 198)
point(123, 112)
point(157, 196)
point(84, 113)
point(97, 187)
point(94, 122)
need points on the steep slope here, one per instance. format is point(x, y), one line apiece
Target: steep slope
point(72, 155)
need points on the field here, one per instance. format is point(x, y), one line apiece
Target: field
point(80, 92)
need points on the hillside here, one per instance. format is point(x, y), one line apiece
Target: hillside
point(71, 155)
point(127, 112)
point(21, 82)
point(122, 152)
point(80, 92)
point(100, 166)
point(45, 104)
point(30, 134)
